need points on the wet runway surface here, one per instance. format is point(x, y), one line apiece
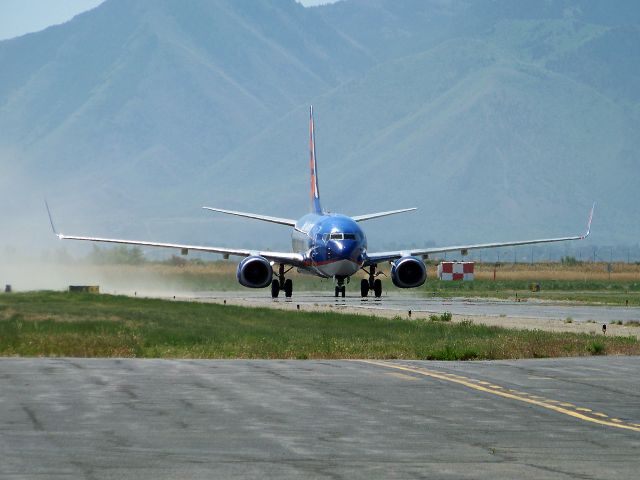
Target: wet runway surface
point(457, 306)
point(531, 419)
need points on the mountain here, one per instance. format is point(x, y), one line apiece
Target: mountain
point(471, 146)
point(499, 119)
point(111, 109)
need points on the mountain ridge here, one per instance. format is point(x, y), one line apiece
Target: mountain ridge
point(495, 116)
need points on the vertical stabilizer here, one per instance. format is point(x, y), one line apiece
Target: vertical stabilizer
point(315, 192)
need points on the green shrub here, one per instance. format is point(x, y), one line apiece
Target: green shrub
point(596, 347)
point(569, 261)
point(445, 317)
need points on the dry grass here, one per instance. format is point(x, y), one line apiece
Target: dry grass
point(622, 272)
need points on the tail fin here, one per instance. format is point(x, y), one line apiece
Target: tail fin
point(315, 192)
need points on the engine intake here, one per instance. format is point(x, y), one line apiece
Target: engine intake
point(254, 272)
point(408, 272)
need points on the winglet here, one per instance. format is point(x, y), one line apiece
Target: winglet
point(53, 227)
point(589, 222)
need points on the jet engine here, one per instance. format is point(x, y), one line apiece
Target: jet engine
point(254, 272)
point(408, 272)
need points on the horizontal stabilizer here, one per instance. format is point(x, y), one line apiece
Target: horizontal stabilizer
point(369, 216)
point(264, 218)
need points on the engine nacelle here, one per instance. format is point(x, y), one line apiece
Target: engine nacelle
point(254, 272)
point(408, 272)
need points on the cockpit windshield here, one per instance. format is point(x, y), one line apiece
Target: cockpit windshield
point(342, 236)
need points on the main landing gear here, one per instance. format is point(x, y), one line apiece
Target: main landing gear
point(372, 283)
point(281, 283)
point(340, 287)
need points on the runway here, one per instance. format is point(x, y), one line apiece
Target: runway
point(110, 418)
point(402, 303)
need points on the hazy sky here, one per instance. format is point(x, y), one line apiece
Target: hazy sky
point(18, 17)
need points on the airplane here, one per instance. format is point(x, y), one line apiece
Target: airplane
point(328, 245)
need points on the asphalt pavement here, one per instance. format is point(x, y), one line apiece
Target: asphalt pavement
point(131, 418)
point(421, 304)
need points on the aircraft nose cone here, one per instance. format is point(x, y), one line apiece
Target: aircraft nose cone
point(348, 250)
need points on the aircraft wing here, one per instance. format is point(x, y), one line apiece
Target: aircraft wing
point(377, 257)
point(289, 258)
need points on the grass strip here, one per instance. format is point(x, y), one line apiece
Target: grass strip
point(86, 325)
point(587, 292)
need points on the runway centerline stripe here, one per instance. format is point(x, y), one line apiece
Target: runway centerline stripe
point(580, 413)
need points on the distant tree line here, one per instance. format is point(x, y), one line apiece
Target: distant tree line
point(125, 255)
point(120, 255)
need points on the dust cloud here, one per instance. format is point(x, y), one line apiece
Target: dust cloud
point(59, 270)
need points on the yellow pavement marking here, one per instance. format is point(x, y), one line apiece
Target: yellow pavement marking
point(401, 375)
point(564, 408)
point(582, 409)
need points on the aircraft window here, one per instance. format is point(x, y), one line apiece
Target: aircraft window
point(349, 236)
point(337, 236)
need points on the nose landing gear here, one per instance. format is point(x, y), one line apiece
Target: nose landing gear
point(340, 287)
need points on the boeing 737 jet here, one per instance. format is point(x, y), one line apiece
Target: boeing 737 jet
point(328, 245)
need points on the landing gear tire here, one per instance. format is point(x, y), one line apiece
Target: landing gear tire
point(275, 288)
point(288, 288)
point(377, 288)
point(364, 288)
point(343, 291)
point(337, 291)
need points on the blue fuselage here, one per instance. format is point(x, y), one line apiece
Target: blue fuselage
point(332, 245)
